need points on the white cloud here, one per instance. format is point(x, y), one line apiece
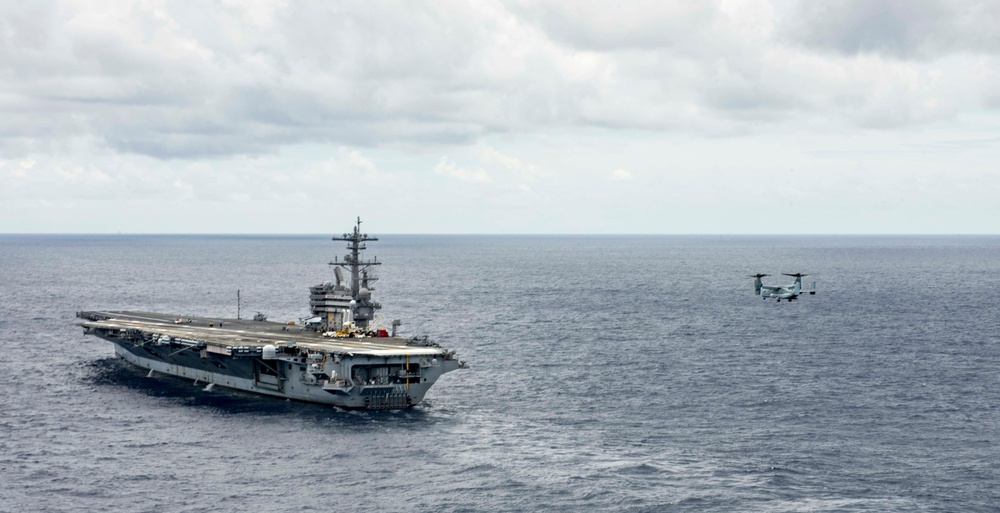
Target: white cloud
point(356, 161)
point(181, 80)
point(621, 175)
point(185, 190)
point(508, 162)
point(348, 172)
point(283, 105)
point(15, 173)
point(446, 167)
point(512, 165)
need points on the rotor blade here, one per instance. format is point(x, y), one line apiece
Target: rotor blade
point(795, 275)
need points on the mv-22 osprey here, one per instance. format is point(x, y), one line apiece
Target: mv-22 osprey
point(789, 292)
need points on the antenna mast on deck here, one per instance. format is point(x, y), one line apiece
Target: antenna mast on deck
point(338, 305)
point(360, 275)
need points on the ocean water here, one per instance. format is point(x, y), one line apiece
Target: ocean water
point(607, 374)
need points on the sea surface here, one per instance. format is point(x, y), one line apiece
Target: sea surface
point(608, 373)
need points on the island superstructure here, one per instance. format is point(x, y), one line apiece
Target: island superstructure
point(339, 357)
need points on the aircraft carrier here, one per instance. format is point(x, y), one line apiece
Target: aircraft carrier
point(340, 356)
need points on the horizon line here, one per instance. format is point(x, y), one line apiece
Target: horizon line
point(502, 234)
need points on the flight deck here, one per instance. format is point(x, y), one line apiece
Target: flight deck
point(228, 333)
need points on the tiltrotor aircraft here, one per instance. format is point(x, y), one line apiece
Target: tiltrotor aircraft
point(789, 292)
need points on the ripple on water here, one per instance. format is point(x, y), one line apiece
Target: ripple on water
point(657, 384)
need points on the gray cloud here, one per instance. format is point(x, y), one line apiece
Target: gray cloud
point(191, 80)
point(202, 79)
point(898, 28)
point(601, 26)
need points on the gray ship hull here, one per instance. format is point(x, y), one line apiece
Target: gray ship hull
point(352, 373)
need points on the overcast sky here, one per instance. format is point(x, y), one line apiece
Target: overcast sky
point(570, 116)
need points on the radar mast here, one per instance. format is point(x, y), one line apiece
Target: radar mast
point(360, 275)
